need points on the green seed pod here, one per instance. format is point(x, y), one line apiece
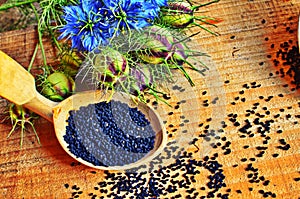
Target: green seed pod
point(180, 15)
point(177, 15)
point(58, 86)
point(162, 47)
point(178, 21)
point(20, 116)
point(16, 112)
point(110, 66)
point(165, 47)
point(142, 78)
point(71, 62)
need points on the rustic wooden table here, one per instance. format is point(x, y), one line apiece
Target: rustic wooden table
point(235, 135)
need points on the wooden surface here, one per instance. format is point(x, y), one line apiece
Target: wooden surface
point(243, 90)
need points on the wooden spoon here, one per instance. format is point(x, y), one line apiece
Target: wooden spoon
point(18, 86)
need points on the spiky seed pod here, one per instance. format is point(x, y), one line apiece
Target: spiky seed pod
point(109, 67)
point(112, 65)
point(142, 78)
point(18, 112)
point(71, 62)
point(180, 15)
point(58, 86)
point(163, 47)
point(21, 116)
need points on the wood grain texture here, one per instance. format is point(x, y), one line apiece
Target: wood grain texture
point(240, 123)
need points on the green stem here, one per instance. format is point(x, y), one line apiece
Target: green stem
point(33, 58)
point(55, 40)
point(206, 29)
point(40, 38)
point(17, 4)
point(205, 4)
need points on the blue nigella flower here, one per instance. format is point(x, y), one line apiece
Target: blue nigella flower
point(85, 27)
point(130, 14)
point(92, 23)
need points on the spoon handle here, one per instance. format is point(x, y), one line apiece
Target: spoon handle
point(18, 86)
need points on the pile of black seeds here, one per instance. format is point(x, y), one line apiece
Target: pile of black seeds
point(291, 62)
point(179, 176)
point(109, 134)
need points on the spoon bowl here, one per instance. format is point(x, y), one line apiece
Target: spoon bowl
point(18, 86)
point(61, 114)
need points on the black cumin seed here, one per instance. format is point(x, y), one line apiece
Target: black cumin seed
point(177, 107)
point(165, 96)
point(261, 191)
point(266, 183)
point(282, 141)
point(74, 187)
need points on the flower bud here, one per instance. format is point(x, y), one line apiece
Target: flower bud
point(178, 15)
point(19, 116)
point(18, 112)
point(71, 62)
point(110, 66)
point(166, 48)
point(162, 47)
point(58, 86)
point(182, 15)
point(142, 78)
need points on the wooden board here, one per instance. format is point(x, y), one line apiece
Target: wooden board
point(235, 135)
